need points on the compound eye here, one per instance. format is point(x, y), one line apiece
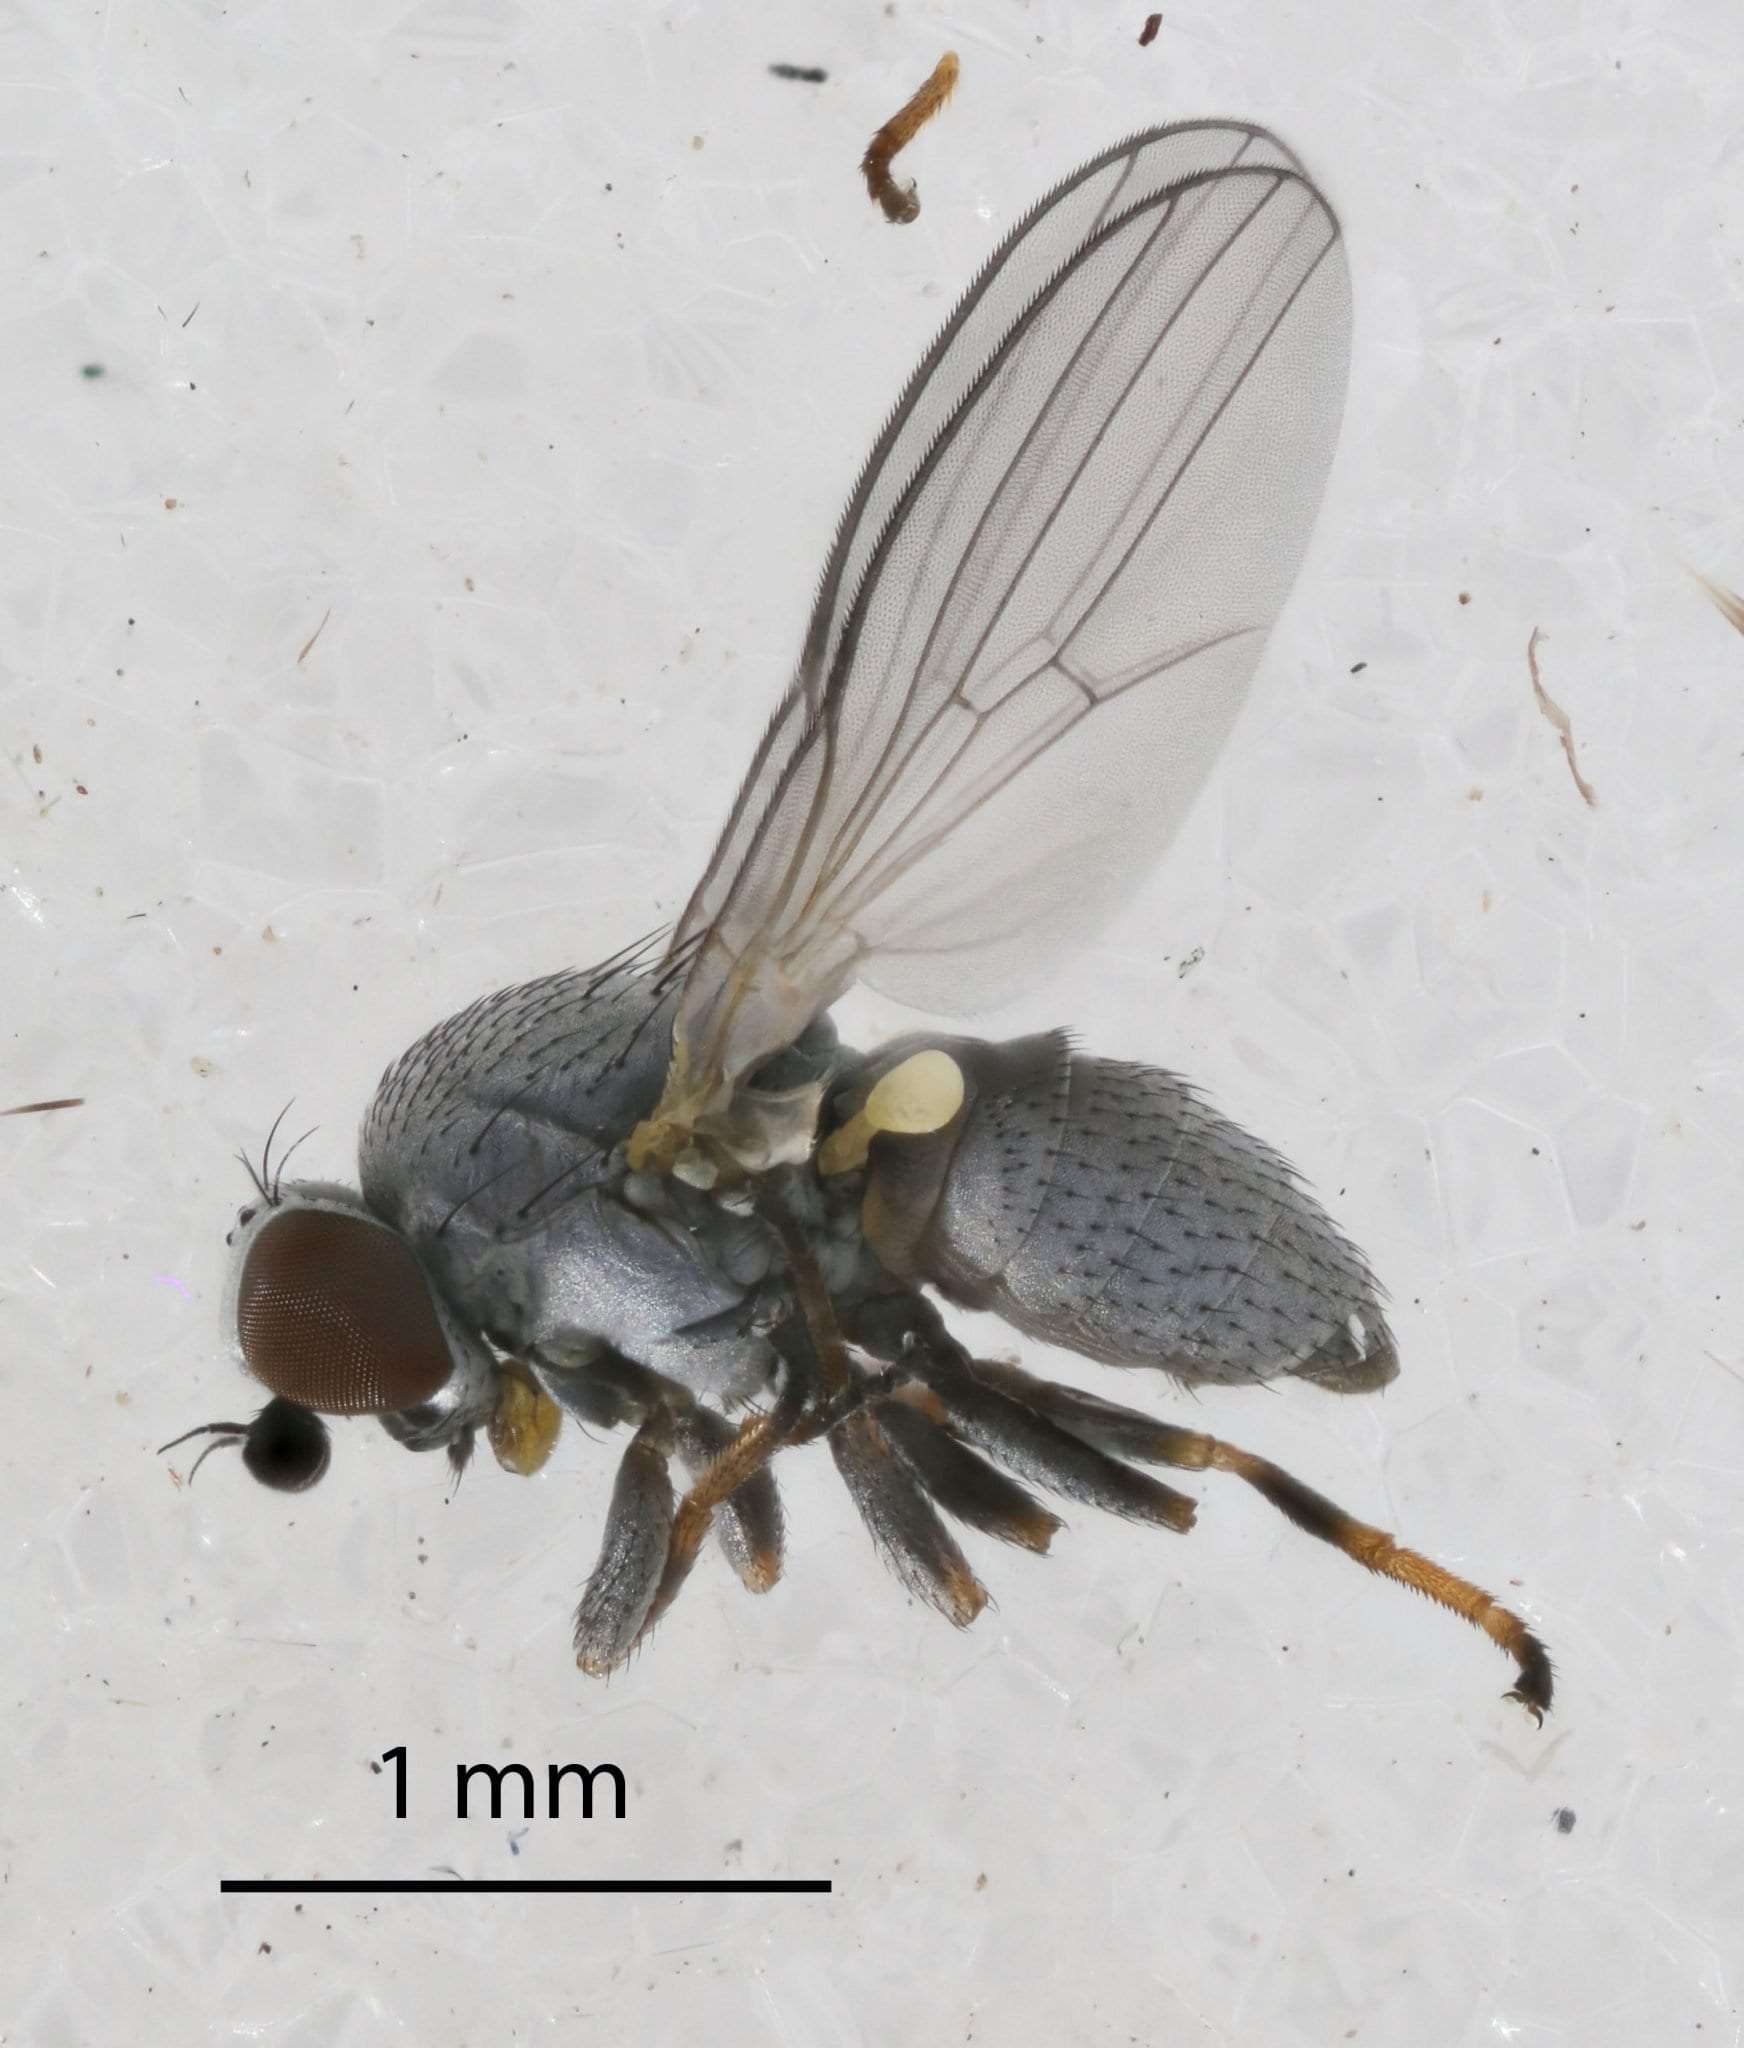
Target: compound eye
point(286, 1447)
point(334, 1313)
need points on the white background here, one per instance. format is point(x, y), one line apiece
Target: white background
point(532, 347)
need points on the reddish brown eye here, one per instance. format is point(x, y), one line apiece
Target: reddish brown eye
point(334, 1312)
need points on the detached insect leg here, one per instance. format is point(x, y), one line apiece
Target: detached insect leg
point(1137, 1436)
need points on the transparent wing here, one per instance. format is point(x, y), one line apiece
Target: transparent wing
point(1045, 602)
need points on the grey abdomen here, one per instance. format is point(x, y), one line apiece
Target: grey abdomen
point(1105, 1207)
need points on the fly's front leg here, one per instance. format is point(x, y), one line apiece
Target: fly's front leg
point(618, 1596)
point(815, 1368)
point(602, 1387)
point(606, 1388)
point(598, 1386)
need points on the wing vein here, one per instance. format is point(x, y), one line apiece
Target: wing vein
point(1101, 477)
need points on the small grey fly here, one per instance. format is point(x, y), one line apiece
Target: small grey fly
point(662, 1195)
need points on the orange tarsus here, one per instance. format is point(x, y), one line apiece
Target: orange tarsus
point(901, 204)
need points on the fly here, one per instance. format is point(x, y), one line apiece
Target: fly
point(661, 1196)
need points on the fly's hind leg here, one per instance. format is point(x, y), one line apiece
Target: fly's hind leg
point(961, 1482)
point(1132, 1435)
point(1016, 1431)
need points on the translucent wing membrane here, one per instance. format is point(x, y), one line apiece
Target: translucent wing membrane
point(1048, 594)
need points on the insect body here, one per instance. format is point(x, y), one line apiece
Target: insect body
point(661, 1195)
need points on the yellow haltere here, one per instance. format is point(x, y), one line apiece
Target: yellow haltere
point(922, 1094)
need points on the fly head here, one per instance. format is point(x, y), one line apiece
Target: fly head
point(331, 1311)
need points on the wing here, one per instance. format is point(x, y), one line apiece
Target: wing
point(1044, 604)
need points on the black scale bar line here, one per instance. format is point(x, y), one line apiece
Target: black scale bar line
point(524, 1884)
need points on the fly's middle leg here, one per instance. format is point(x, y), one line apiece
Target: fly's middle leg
point(740, 1461)
point(1020, 1433)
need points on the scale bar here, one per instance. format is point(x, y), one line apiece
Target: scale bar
point(524, 1884)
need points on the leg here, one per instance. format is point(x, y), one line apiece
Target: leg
point(748, 1528)
point(961, 1483)
point(1030, 1443)
point(889, 1474)
point(601, 1387)
point(727, 1464)
point(1020, 1432)
point(815, 1363)
point(820, 1393)
point(633, 1552)
point(908, 1533)
point(1137, 1436)
point(740, 1461)
point(829, 1355)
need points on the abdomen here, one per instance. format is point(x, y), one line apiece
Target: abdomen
point(1106, 1207)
